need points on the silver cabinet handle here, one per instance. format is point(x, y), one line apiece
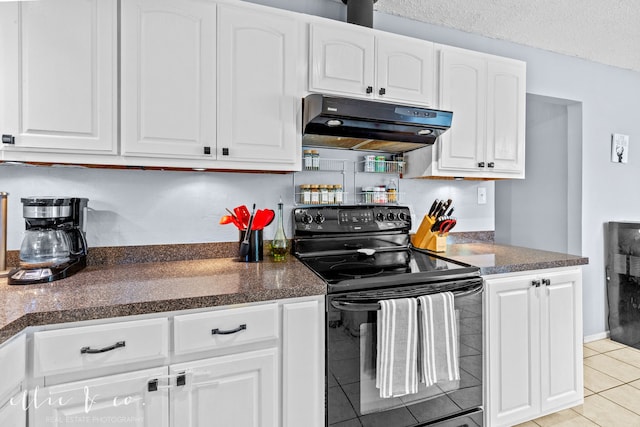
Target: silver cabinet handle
point(89, 350)
point(217, 331)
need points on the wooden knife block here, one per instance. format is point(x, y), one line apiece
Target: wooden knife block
point(427, 239)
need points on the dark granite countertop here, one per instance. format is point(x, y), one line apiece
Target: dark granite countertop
point(495, 259)
point(152, 279)
point(129, 289)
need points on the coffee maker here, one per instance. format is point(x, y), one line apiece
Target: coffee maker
point(54, 244)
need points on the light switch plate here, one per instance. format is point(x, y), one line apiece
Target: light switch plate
point(482, 196)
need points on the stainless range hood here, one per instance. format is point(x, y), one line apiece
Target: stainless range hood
point(358, 124)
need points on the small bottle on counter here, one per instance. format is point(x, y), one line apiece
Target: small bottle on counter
point(305, 194)
point(307, 159)
point(315, 160)
point(279, 242)
point(315, 194)
point(338, 195)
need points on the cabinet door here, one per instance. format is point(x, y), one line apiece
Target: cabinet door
point(463, 90)
point(258, 90)
point(341, 60)
point(125, 400)
point(238, 390)
point(561, 340)
point(405, 70)
point(506, 101)
point(58, 79)
point(168, 78)
point(13, 414)
point(303, 364)
point(512, 350)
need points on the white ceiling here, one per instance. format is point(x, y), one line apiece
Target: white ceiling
point(605, 31)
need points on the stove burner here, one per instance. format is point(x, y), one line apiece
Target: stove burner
point(357, 270)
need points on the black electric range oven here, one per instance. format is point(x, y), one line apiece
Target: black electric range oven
point(364, 255)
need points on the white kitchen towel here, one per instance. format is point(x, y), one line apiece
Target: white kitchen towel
point(438, 341)
point(397, 347)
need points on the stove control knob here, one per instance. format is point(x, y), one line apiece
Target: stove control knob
point(391, 216)
point(319, 218)
point(379, 216)
point(307, 219)
point(403, 216)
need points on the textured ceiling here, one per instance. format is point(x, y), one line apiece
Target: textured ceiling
point(605, 31)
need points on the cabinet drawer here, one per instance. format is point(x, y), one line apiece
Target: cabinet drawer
point(100, 346)
point(225, 328)
point(12, 365)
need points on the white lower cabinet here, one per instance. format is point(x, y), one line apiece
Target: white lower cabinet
point(534, 344)
point(132, 399)
point(234, 390)
point(13, 413)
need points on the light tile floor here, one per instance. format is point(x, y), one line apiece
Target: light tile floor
point(611, 389)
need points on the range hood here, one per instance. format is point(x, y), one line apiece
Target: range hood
point(358, 124)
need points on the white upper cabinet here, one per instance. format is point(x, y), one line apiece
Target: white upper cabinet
point(168, 78)
point(258, 90)
point(348, 60)
point(341, 60)
point(58, 76)
point(405, 70)
point(487, 95)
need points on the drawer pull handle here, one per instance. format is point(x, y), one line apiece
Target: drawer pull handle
point(217, 331)
point(89, 350)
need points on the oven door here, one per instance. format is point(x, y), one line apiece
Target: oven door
point(352, 396)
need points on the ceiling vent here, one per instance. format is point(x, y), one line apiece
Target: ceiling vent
point(360, 12)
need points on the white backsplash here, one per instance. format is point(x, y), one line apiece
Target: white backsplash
point(145, 207)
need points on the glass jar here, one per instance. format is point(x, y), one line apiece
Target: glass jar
point(308, 163)
point(338, 194)
point(315, 194)
point(324, 194)
point(380, 195)
point(305, 194)
point(315, 160)
point(332, 194)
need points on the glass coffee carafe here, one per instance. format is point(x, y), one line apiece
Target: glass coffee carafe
point(44, 247)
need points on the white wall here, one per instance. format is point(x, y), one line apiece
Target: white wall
point(546, 201)
point(140, 207)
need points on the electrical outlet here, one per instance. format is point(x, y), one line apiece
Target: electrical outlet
point(482, 196)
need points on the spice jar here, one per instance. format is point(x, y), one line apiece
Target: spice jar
point(338, 194)
point(381, 163)
point(315, 160)
point(332, 194)
point(305, 194)
point(308, 163)
point(324, 194)
point(315, 194)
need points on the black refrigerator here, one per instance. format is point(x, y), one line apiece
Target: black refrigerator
point(623, 281)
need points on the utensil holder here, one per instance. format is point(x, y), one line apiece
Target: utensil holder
point(255, 246)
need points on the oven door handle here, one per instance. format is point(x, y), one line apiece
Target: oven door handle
point(343, 305)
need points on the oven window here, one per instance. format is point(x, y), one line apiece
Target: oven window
point(352, 396)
